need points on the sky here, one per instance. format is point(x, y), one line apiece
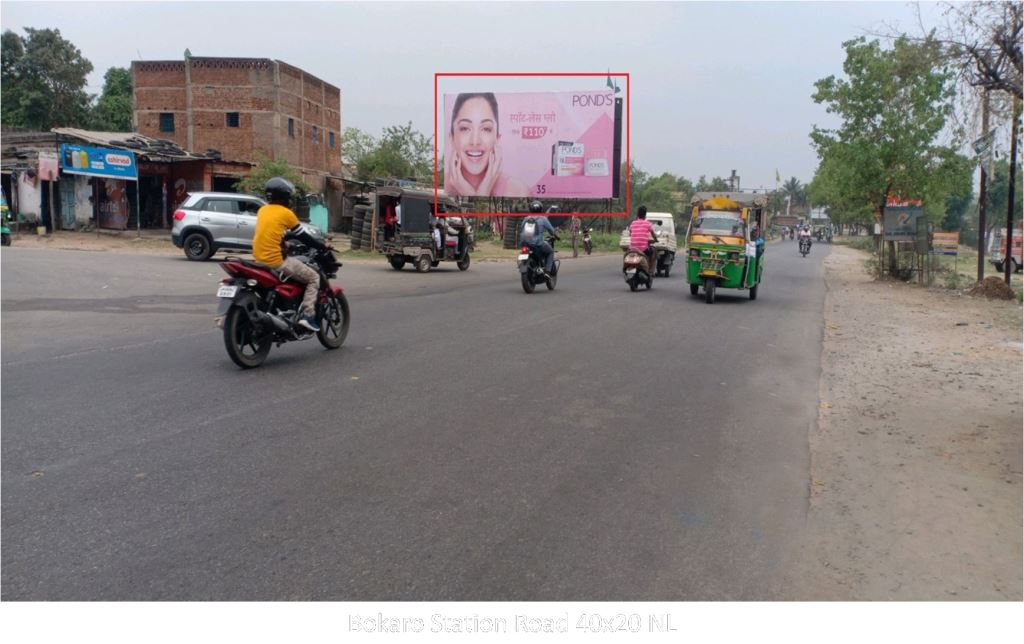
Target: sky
point(714, 86)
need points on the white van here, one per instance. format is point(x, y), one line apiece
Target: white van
point(665, 228)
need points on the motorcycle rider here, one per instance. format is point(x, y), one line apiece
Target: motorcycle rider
point(273, 222)
point(532, 234)
point(641, 236)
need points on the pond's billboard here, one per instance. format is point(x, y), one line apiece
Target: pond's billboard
point(530, 144)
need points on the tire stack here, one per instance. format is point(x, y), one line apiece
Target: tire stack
point(361, 222)
point(512, 225)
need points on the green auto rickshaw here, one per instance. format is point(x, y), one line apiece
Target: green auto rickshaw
point(724, 242)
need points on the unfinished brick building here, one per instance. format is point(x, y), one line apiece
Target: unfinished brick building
point(241, 107)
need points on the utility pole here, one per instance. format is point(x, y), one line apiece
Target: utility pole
point(1008, 263)
point(981, 192)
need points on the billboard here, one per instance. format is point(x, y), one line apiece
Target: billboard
point(530, 144)
point(98, 162)
point(901, 222)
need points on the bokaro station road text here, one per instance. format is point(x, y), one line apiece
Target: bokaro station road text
point(562, 623)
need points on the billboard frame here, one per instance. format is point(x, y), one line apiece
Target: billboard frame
point(438, 75)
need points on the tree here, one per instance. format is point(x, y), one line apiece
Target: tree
point(43, 81)
point(893, 105)
point(717, 184)
point(113, 110)
point(264, 170)
point(796, 192)
point(401, 152)
point(984, 41)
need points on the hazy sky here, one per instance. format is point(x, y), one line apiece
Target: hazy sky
point(715, 86)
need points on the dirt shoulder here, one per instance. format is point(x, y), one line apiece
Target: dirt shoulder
point(916, 461)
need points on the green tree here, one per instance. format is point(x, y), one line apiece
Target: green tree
point(401, 152)
point(893, 105)
point(113, 110)
point(264, 170)
point(717, 184)
point(43, 81)
point(795, 191)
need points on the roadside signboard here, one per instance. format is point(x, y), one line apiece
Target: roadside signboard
point(901, 222)
point(98, 162)
point(945, 244)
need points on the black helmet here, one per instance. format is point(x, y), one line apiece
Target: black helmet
point(536, 206)
point(279, 190)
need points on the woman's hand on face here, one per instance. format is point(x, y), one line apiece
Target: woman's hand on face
point(492, 174)
point(454, 182)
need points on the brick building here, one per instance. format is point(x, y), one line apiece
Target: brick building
point(241, 107)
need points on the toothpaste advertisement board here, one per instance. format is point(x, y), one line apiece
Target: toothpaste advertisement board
point(536, 144)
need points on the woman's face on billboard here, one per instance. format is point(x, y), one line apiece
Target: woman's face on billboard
point(476, 132)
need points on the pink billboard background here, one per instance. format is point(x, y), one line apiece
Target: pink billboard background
point(547, 144)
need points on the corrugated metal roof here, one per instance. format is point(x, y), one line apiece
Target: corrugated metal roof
point(147, 148)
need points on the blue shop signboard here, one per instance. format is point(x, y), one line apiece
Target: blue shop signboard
point(98, 162)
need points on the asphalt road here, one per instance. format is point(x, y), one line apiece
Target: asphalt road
point(469, 442)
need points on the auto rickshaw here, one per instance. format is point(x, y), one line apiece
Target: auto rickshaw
point(724, 243)
point(418, 235)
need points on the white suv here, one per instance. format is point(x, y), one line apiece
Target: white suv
point(210, 221)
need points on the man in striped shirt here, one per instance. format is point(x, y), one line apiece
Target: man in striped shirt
point(641, 235)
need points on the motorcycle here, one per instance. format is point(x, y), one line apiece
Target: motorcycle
point(636, 270)
point(805, 246)
point(588, 243)
point(257, 308)
point(531, 268)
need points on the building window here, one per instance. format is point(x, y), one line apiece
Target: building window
point(291, 128)
point(316, 135)
point(330, 137)
point(166, 122)
point(232, 119)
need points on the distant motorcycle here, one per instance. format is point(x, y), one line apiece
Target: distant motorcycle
point(588, 243)
point(805, 246)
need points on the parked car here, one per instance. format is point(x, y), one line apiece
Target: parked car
point(211, 221)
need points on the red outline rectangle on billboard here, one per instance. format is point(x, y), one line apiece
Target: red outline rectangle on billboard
point(514, 74)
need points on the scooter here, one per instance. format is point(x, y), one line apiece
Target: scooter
point(588, 243)
point(805, 246)
point(5, 230)
point(636, 270)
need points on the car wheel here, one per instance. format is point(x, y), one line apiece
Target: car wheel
point(463, 263)
point(694, 288)
point(198, 247)
point(753, 292)
point(397, 262)
point(1014, 266)
point(423, 264)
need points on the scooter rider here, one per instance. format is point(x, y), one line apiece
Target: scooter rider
point(641, 236)
point(532, 234)
point(273, 222)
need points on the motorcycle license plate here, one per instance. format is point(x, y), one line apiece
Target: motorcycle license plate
point(523, 257)
point(630, 272)
point(227, 291)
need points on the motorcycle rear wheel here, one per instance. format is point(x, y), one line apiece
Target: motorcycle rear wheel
point(335, 321)
point(527, 282)
point(244, 350)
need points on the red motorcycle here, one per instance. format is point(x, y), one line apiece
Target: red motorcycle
point(257, 308)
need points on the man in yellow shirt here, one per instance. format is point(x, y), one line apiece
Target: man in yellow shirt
point(273, 221)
